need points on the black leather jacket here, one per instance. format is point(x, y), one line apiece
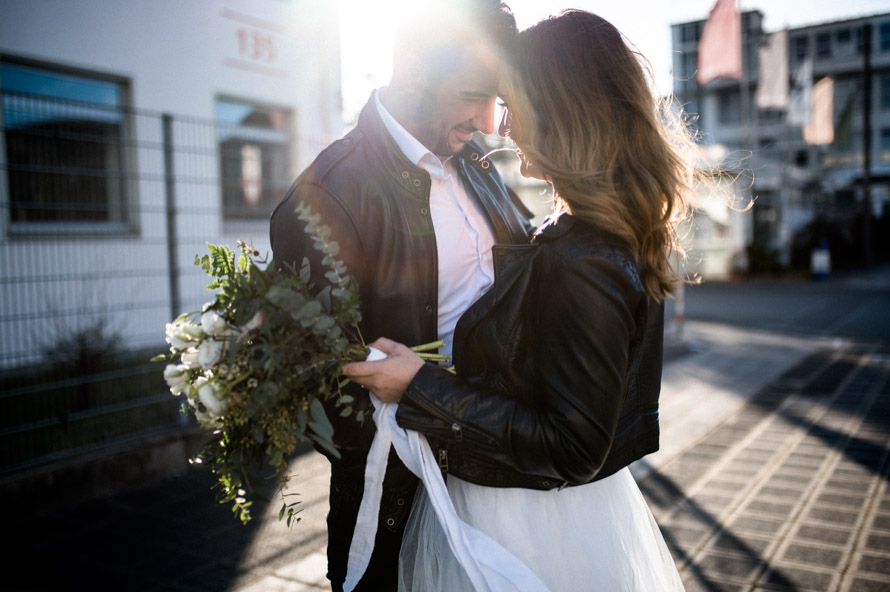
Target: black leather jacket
point(559, 368)
point(376, 204)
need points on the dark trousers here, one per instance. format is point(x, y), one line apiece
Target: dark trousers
point(347, 486)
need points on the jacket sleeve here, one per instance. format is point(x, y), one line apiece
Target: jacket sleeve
point(582, 328)
point(290, 244)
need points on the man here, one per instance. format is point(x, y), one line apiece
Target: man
point(415, 209)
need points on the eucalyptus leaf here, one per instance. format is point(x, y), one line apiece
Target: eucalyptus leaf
point(319, 419)
point(285, 299)
point(327, 445)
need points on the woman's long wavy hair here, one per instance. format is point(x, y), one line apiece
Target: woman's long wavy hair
point(616, 155)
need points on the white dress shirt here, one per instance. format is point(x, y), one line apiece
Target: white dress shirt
point(463, 236)
point(463, 241)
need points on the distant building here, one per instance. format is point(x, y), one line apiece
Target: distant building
point(804, 193)
point(131, 133)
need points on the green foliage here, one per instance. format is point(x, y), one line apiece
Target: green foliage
point(284, 340)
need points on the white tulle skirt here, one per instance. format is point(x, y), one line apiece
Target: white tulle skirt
point(600, 536)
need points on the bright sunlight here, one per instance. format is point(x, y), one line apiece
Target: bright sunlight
point(366, 45)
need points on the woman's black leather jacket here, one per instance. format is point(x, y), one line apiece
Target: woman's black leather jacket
point(558, 368)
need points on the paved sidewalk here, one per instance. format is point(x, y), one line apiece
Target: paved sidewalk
point(772, 476)
point(789, 491)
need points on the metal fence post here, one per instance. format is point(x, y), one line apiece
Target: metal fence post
point(170, 208)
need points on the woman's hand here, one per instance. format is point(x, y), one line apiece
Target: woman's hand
point(388, 378)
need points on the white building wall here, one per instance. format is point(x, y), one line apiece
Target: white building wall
point(177, 57)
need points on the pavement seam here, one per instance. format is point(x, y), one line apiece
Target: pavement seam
point(775, 558)
point(876, 490)
point(818, 410)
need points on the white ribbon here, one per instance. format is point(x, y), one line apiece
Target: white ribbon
point(490, 567)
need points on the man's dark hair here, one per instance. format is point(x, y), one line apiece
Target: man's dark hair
point(436, 30)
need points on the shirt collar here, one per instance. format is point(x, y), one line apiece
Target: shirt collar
point(410, 146)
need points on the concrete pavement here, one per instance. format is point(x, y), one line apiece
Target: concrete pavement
point(772, 476)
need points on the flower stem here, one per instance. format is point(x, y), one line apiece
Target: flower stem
point(428, 346)
point(434, 357)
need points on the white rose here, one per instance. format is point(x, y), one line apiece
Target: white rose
point(206, 420)
point(191, 331)
point(207, 395)
point(189, 358)
point(176, 377)
point(213, 324)
point(210, 352)
point(176, 339)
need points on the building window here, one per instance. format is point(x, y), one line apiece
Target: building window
point(691, 32)
point(64, 136)
point(885, 145)
point(728, 107)
point(823, 45)
point(885, 37)
point(690, 64)
point(770, 116)
point(254, 148)
point(768, 148)
point(801, 46)
point(885, 92)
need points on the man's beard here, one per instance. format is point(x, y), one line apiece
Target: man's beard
point(429, 126)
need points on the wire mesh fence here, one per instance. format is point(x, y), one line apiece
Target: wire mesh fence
point(102, 211)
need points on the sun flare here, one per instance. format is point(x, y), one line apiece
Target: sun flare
point(366, 45)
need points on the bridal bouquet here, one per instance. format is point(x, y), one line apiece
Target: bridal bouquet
point(255, 364)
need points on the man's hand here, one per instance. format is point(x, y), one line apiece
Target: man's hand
point(387, 378)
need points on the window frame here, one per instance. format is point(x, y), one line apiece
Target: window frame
point(824, 45)
point(283, 137)
point(884, 37)
point(119, 197)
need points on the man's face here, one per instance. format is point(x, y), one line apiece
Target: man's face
point(460, 104)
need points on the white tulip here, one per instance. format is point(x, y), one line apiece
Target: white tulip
point(210, 352)
point(213, 324)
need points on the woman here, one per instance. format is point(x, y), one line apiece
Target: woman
point(559, 364)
